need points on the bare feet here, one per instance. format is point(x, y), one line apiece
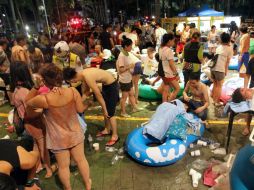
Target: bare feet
point(89, 185)
point(50, 172)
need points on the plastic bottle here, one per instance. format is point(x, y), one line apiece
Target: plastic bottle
point(114, 159)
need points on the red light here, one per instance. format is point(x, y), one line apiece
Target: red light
point(76, 22)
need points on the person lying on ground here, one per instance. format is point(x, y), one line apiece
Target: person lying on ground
point(195, 95)
point(108, 99)
point(17, 166)
point(240, 95)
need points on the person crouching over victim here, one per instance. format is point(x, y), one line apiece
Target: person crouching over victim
point(195, 95)
point(240, 95)
point(108, 99)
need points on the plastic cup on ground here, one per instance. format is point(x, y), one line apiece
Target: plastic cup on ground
point(96, 146)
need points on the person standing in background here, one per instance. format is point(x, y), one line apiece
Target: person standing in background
point(212, 40)
point(244, 55)
point(159, 32)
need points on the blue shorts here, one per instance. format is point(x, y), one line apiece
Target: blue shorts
point(243, 63)
point(137, 69)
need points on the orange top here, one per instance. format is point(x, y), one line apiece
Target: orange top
point(63, 129)
point(244, 43)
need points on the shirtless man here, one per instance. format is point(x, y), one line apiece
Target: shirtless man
point(244, 54)
point(108, 98)
point(195, 95)
point(18, 52)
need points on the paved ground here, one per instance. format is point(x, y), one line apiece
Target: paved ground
point(126, 174)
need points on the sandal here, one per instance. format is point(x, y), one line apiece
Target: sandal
point(112, 142)
point(101, 134)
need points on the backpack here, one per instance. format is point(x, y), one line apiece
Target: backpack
point(160, 66)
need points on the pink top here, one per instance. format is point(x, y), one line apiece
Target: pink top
point(43, 90)
point(19, 96)
point(63, 129)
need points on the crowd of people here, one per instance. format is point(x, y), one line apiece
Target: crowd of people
point(50, 82)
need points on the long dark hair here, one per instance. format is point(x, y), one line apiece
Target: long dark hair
point(166, 38)
point(20, 75)
point(126, 41)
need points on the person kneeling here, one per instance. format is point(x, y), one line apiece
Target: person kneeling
point(195, 95)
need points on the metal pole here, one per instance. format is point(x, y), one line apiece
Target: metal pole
point(14, 16)
point(46, 17)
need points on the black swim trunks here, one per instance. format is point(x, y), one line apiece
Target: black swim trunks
point(126, 87)
point(110, 95)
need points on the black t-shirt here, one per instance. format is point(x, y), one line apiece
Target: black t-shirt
point(105, 40)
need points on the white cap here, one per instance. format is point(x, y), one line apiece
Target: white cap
point(106, 54)
point(61, 49)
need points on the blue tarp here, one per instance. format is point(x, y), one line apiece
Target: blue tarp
point(189, 12)
point(203, 11)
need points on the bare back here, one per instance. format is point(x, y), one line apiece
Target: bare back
point(98, 75)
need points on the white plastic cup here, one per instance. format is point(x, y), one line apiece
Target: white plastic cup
point(192, 171)
point(97, 66)
point(202, 143)
point(195, 178)
point(96, 146)
point(197, 153)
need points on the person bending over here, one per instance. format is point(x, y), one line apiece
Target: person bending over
point(108, 98)
point(240, 95)
point(195, 95)
point(17, 166)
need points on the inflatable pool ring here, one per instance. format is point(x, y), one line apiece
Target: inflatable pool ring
point(204, 78)
point(137, 146)
point(233, 64)
point(147, 92)
point(229, 86)
point(150, 93)
point(242, 173)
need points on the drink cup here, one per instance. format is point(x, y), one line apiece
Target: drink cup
point(96, 146)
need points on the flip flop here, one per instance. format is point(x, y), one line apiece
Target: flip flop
point(100, 134)
point(112, 142)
